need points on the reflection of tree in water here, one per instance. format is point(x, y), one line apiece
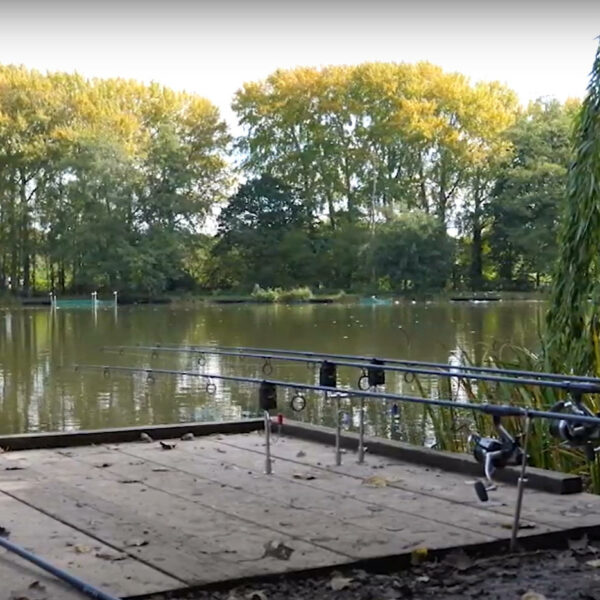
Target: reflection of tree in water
point(35, 394)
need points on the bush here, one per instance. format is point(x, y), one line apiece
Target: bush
point(299, 294)
point(269, 295)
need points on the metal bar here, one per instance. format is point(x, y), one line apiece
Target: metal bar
point(520, 488)
point(338, 431)
point(540, 381)
point(361, 432)
point(78, 584)
point(268, 467)
point(490, 409)
point(274, 352)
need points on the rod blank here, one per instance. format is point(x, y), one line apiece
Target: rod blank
point(78, 584)
point(534, 378)
point(490, 409)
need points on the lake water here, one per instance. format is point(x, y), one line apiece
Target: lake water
point(41, 391)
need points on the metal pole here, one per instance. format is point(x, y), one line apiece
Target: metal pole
point(268, 468)
point(520, 488)
point(78, 584)
point(361, 432)
point(338, 431)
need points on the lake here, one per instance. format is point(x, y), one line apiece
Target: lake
point(41, 391)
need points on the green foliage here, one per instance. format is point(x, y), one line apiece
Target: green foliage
point(108, 184)
point(573, 327)
point(413, 252)
point(103, 182)
point(300, 294)
point(529, 195)
point(269, 295)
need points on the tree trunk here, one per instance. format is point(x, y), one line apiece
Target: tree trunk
point(25, 256)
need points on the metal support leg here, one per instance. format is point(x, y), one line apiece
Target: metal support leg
point(520, 488)
point(338, 432)
point(267, 442)
point(361, 432)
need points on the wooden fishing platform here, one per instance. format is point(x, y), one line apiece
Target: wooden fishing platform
point(134, 518)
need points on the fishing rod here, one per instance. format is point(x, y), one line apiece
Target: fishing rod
point(492, 453)
point(80, 585)
point(244, 350)
point(490, 409)
point(553, 380)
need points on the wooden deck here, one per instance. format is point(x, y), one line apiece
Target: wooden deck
point(134, 518)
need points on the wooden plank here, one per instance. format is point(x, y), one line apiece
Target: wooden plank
point(19, 578)
point(195, 542)
point(60, 439)
point(72, 551)
point(540, 507)
point(325, 497)
point(540, 479)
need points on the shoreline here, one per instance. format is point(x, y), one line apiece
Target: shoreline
point(344, 298)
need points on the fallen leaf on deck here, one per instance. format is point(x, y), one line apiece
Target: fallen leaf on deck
point(521, 525)
point(160, 470)
point(187, 437)
point(306, 476)
point(339, 583)
point(533, 596)
point(593, 563)
point(278, 550)
point(376, 481)
point(301, 454)
point(136, 543)
point(35, 591)
point(167, 446)
point(4, 532)
point(130, 481)
point(36, 585)
point(82, 549)
point(13, 468)
point(103, 466)
point(144, 437)
point(111, 557)
point(220, 450)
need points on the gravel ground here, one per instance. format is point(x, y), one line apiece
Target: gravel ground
point(572, 574)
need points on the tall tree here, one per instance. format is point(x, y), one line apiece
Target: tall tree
point(573, 327)
point(529, 193)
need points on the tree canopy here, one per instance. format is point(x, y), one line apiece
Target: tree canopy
point(378, 176)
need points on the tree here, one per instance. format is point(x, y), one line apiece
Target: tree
point(572, 341)
point(263, 235)
point(529, 193)
point(373, 139)
point(103, 183)
point(412, 253)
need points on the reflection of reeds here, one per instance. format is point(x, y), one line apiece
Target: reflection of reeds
point(451, 427)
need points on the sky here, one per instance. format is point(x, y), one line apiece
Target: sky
point(538, 48)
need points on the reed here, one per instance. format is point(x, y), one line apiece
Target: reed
point(452, 427)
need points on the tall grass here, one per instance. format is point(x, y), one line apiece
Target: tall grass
point(452, 427)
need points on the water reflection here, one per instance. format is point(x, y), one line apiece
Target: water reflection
point(40, 392)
